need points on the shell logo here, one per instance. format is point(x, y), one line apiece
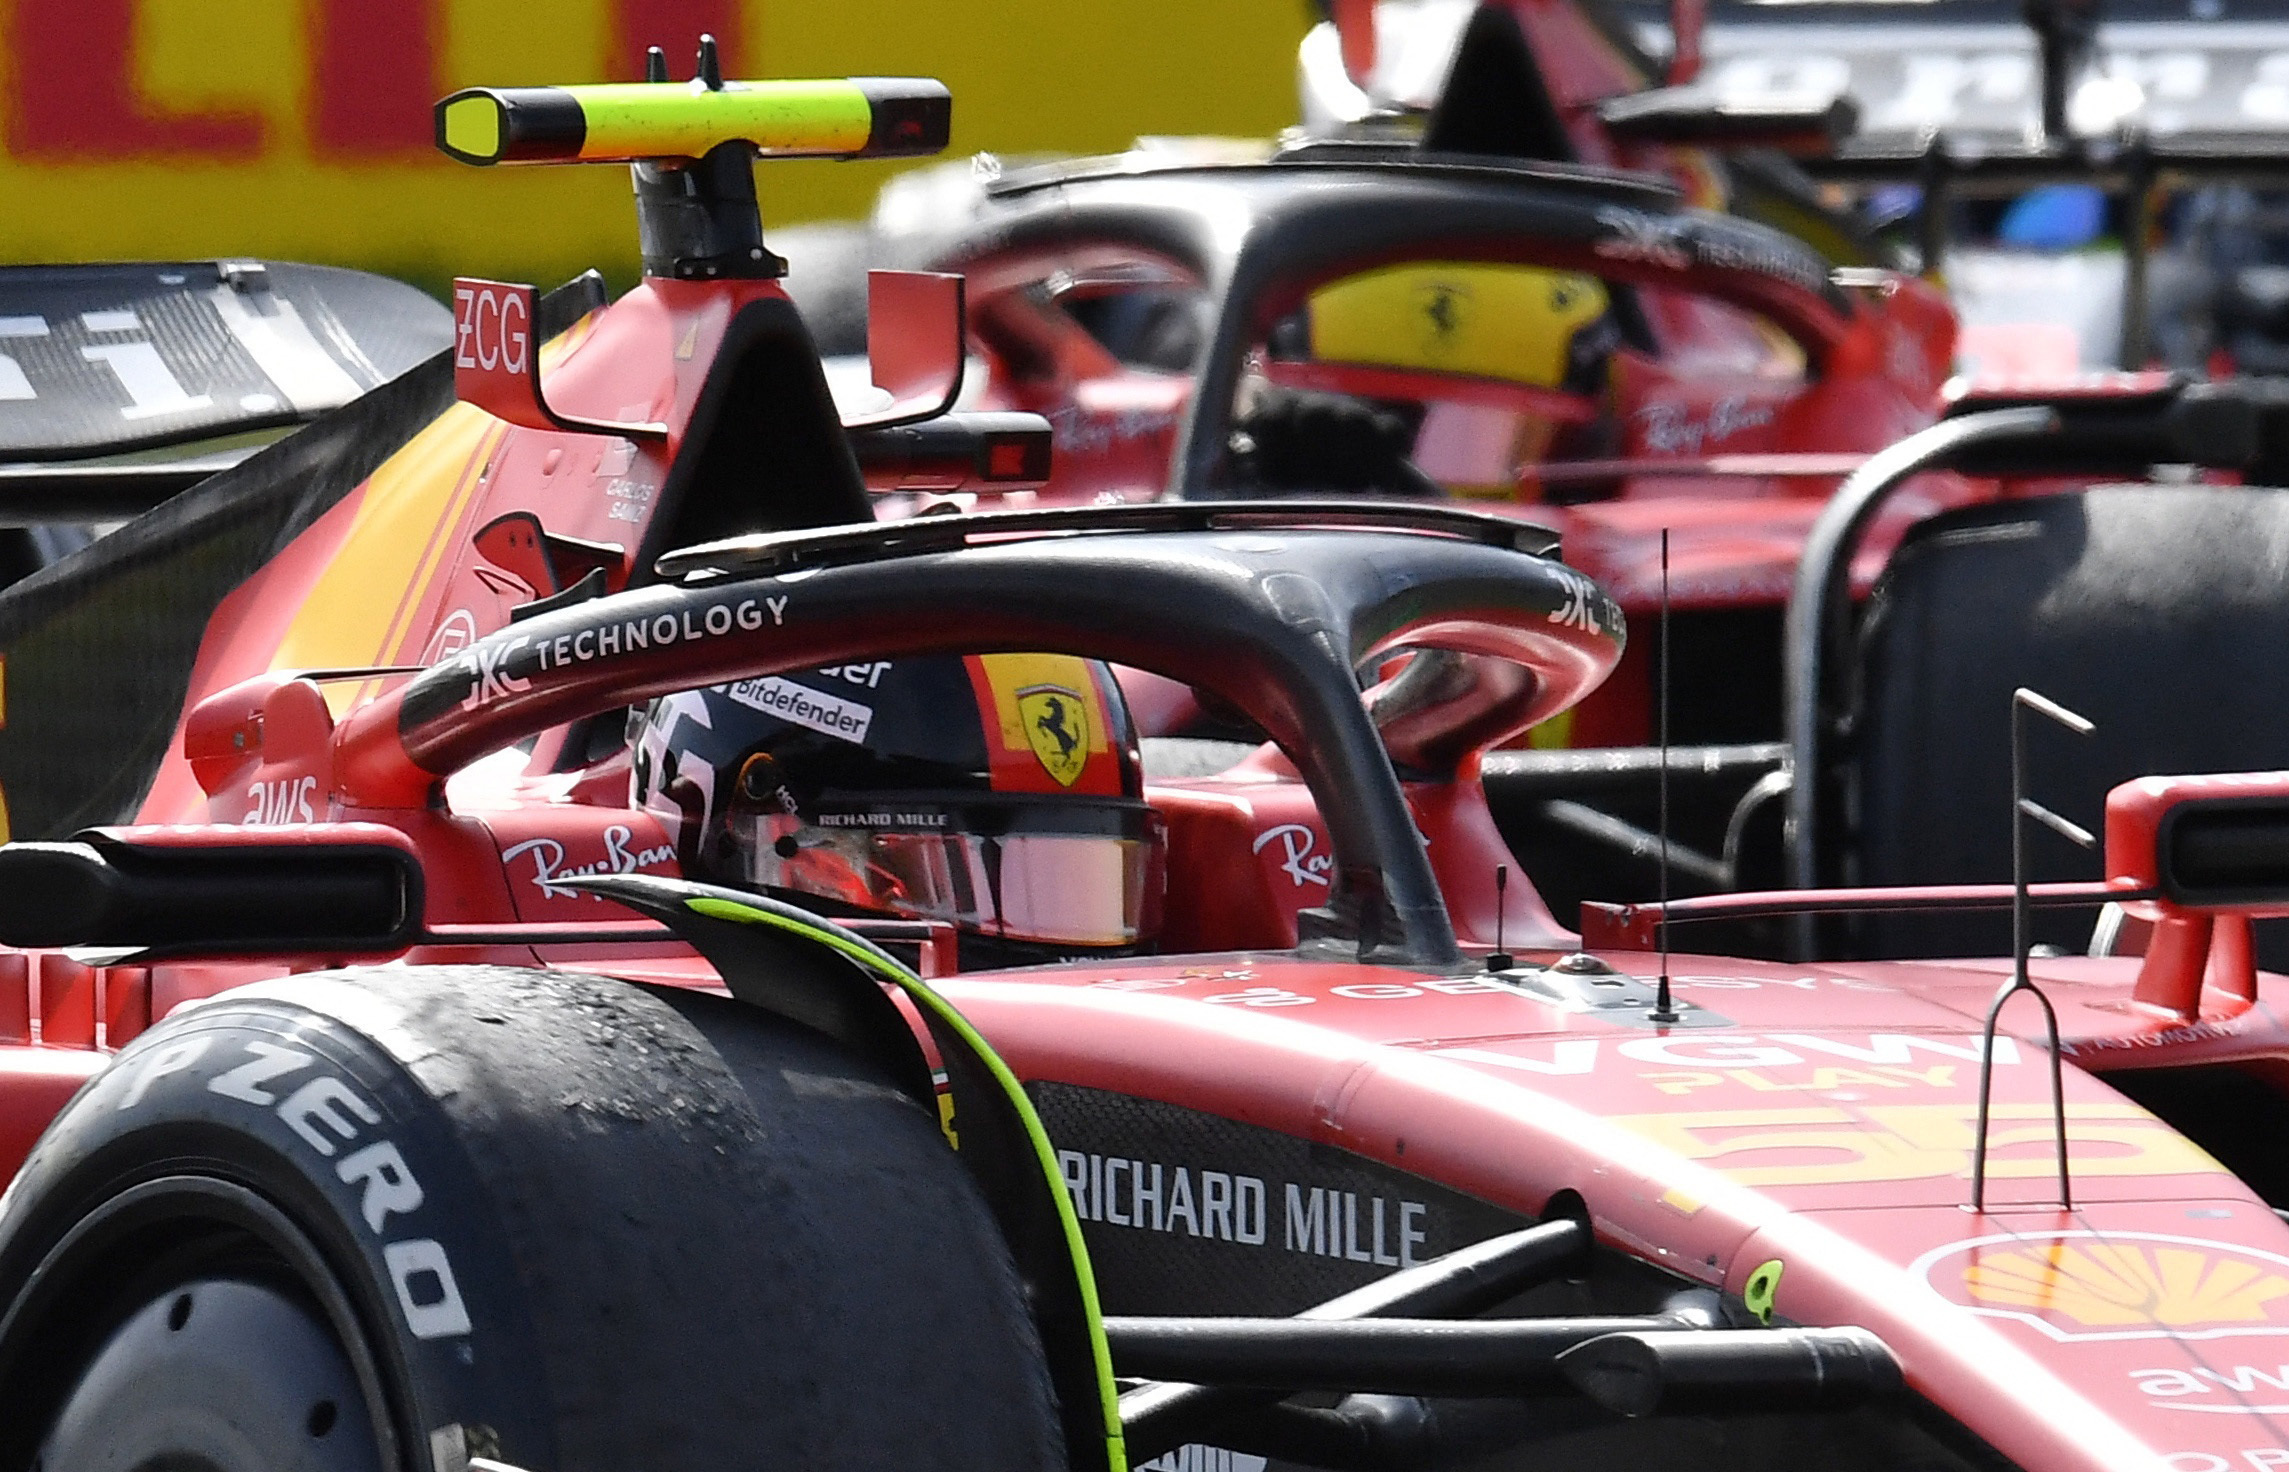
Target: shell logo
point(2112, 1283)
point(2116, 1285)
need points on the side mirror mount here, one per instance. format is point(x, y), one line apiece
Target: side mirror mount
point(916, 345)
point(496, 361)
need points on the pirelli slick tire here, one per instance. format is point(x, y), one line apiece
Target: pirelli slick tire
point(395, 1219)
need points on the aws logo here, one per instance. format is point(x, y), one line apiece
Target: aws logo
point(2082, 1285)
point(2234, 1390)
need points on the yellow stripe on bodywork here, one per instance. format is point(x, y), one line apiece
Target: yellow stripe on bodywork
point(363, 607)
point(362, 604)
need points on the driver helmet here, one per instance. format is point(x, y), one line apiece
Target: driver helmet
point(1553, 333)
point(1520, 324)
point(999, 793)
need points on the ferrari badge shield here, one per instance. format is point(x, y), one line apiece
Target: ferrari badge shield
point(1057, 728)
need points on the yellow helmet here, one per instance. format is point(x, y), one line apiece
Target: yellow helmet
point(1520, 324)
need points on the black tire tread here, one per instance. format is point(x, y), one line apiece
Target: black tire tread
point(735, 1246)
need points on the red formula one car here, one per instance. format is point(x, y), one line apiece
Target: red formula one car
point(710, 865)
point(1528, 329)
point(1473, 313)
point(1728, 456)
point(1476, 312)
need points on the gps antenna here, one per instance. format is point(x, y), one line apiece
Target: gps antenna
point(1500, 959)
point(1663, 1009)
point(2024, 807)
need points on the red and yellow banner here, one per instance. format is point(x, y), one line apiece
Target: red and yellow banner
point(301, 129)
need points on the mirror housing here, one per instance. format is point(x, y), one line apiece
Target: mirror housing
point(916, 345)
point(2211, 843)
point(344, 889)
point(2199, 857)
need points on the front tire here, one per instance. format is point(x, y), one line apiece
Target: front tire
point(556, 1220)
point(219, 1372)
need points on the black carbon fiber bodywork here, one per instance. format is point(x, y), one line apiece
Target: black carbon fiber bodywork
point(1192, 1213)
point(98, 648)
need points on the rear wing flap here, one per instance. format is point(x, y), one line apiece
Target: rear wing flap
point(111, 359)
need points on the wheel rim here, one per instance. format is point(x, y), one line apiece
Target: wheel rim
point(216, 1375)
point(124, 1265)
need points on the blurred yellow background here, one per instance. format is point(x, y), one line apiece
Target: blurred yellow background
point(296, 129)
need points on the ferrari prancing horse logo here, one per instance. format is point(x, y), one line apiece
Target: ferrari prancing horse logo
point(1057, 728)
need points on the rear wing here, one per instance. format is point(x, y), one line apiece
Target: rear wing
point(1975, 72)
point(103, 360)
point(1967, 100)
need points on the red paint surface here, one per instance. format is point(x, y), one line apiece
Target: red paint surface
point(1851, 1078)
point(71, 96)
point(674, 26)
point(374, 78)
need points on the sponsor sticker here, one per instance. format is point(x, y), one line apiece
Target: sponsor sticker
point(1586, 607)
point(1833, 1146)
point(1057, 728)
point(1048, 723)
point(1673, 428)
point(2086, 1285)
point(800, 705)
point(1297, 861)
point(1156, 1196)
point(491, 666)
point(549, 871)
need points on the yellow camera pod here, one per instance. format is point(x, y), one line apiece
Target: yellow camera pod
point(855, 117)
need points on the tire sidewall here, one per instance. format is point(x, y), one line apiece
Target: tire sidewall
point(326, 1125)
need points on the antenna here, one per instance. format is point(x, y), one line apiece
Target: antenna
point(655, 65)
point(2024, 807)
point(1500, 959)
point(1688, 20)
point(2065, 32)
point(1663, 1009)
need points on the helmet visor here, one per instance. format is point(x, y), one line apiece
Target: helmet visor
point(1087, 882)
